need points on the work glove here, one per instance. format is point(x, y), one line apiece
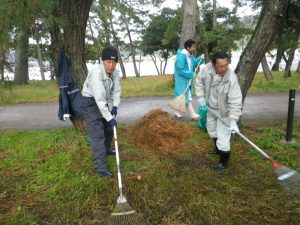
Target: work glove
point(114, 111)
point(112, 123)
point(65, 116)
point(233, 126)
point(202, 101)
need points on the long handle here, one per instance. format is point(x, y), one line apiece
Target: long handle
point(190, 81)
point(187, 86)
point(118, 163)
point(242, 136)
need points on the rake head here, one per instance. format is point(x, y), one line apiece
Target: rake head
point(178, 103)
point(290, 181)
point(123, 214)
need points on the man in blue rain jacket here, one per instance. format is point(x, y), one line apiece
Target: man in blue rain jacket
point(184, 70)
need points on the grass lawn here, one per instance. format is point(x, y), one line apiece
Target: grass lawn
point(47, 91)
point(47, 177)
point(36, 91)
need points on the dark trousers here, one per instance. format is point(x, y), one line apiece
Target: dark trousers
point(100, 133)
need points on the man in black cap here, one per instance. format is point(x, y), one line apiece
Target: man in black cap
point(102, 84)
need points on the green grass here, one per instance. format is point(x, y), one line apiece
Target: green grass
point(36, 91)
point(278, 84)
point(47, 91)
point(147, 86)
point(47, 177)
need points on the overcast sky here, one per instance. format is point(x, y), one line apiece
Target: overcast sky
point(170, 3)
point(243, 11)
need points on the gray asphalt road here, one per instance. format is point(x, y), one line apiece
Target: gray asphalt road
point(44, 115)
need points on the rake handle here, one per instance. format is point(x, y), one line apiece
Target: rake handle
point(118, 163)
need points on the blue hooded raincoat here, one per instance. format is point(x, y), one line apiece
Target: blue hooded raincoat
point(183, 74)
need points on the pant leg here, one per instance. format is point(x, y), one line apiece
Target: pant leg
point(223, 135)
point(109, 134)
point(95, 126)
point(190, 94)
point(211, 125)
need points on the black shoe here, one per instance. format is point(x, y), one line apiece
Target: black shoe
point(111, 152)
point(106, 173)
point(214, 152)
point(220, 166)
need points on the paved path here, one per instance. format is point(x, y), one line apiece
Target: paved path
point(44, 115)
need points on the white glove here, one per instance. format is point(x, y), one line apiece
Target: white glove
point(202, 56)
point(65, 116)
point(233, 126)
point(202, 101)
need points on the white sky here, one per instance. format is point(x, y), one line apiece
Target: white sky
point(174, 3)
point(243, 11)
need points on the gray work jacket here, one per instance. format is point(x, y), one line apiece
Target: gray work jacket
point(229, 91)
point(103, 87)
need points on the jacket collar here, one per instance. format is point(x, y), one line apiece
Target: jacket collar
point(185, 52)
point(182, 52)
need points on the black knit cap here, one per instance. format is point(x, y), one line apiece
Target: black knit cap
point(109, 53)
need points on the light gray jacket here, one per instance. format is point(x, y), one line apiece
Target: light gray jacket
point(103, 88)
point(229, 93)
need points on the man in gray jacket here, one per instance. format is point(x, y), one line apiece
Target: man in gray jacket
point(102, 84)
point(217, 87)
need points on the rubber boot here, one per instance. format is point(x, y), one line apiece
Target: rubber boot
point(192, 113)
point(223, 163)
point(215, 151)
point(177, 114)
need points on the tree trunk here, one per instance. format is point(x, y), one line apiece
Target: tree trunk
point(52, 73)
point(154, 61)
point(116, 41)
point(298, 67)
point(160, 66)
point(214, 21)
point(2, 65)
point(206, 54)
point(122, 66)
point(140, 62)
point(72, 37)
point(288, 65)
point(105, 24)
point(284, 58)
point(188, 28)
point(294, 37)
point(266, 69)
point(72, 40)
point(165, 66)
point(21, 62)
point(132, 47)
point(270, 19)
point(279, 55)
point(40, 59)
point(96, 41)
